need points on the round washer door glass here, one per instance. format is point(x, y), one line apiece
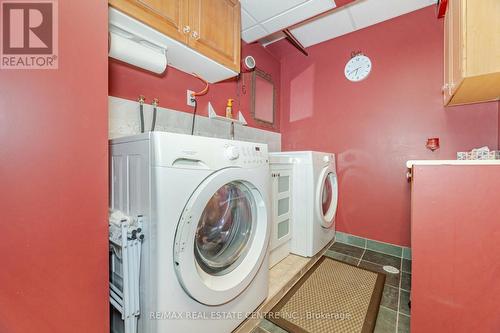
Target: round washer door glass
point(224, 228)
point(328, 195)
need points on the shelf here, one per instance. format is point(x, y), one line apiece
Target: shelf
point(213, 115)
point(411, 163)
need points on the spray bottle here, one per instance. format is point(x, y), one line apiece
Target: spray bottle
point(229, 109)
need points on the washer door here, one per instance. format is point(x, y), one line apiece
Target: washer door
point(327, 197)
point(222, 236)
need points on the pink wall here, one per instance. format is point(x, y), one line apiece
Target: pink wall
point(455, 233)
point(128, 82)
point(53, 176)
point(376, 125)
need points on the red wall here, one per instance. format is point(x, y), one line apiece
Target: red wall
point(53, 176)
point(128, 82)
point(455, 233)
point(376, 125)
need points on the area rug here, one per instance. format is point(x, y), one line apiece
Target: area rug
point(332, 297)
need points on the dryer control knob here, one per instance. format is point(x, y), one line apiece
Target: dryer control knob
point(232, 153)
point(326, 158)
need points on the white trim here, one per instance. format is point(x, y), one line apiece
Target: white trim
point(411, 163)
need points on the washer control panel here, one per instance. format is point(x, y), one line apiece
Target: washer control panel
point(246, 154)
point(232, 153)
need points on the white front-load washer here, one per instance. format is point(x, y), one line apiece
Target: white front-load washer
point(315, 197)
point(205, 207)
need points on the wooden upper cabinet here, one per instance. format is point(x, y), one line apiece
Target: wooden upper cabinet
point(167, 16)
point(472, 52)
point(216, 30)
point(210, 27)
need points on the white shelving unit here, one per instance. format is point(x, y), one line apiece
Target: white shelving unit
point(281, 207)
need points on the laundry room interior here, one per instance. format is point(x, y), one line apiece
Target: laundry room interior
point(250, 166)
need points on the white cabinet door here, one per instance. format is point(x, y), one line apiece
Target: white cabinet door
point(281, 205)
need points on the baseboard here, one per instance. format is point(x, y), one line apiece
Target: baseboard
point(370, 244)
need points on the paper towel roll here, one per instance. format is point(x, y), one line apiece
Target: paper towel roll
point(136, 54)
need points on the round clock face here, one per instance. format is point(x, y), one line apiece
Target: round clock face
point(358, 68)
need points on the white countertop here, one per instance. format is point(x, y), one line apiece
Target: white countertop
point(411, 163)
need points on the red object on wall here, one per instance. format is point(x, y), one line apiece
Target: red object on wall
point(455, 247)
point(128, 82)
point(441, 6)
point(54, 184)
point(432, 144)
point(376, 125)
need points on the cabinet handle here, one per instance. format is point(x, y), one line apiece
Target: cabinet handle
point(186, 29)
point(195, 35)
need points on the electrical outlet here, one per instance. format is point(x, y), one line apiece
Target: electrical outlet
point(190, 98)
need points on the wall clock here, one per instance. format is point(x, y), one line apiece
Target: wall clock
point(358, 68)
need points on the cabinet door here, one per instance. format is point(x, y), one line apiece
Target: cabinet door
point(167, 16)
point(281, 207)
point(456, 12)
point(216, 30)
point(482, 33)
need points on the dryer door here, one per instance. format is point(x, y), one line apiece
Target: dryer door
point(222, 236)
point(327, 197)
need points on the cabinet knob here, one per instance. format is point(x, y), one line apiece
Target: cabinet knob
point(195, 35)
point(186, 29)
point(451, 86)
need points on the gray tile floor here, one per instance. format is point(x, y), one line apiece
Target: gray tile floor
point(394, 313)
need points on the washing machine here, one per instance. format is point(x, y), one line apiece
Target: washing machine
point(314, 200)
point(205, 208)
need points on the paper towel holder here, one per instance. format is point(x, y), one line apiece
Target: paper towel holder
point(142, 48)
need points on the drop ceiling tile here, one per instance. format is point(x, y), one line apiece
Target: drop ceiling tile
point(252, 34)
point(297, 14)
point(369, 12)
point(262, 10)
point(247, 20)
point(326, 27)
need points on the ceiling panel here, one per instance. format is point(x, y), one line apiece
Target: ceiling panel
point(329, 26)
point(253, 33)
point(247, 21)
point(297, 14)
point(263, 10)
point(369, 12)
point(355, 16)
point(264, 17)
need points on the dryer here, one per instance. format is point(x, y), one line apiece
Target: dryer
point(205, 207)
point(314, 199)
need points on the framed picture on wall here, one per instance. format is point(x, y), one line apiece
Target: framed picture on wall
point(263, 98)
